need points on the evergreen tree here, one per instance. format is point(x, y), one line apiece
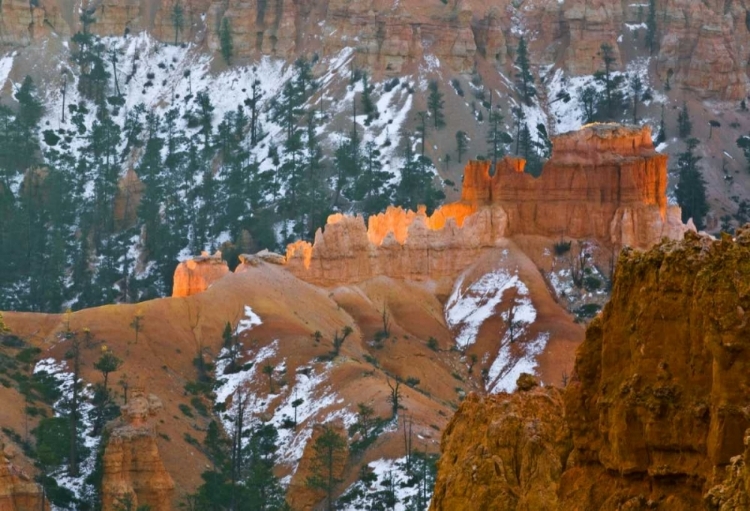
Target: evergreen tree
point(368, 105)
point(636, 86)
point(371, 187)
point(225, 41)
point(691, 190)
point(253, 102)
point(588, 97)
point(610, 101)
point(462, 142)
point(524, 77)
point(30, 109)
point(661, 136)
point(178, 20)
point(436, 105)
point(651, 27)
point(329, 454)
point(497, 138)
point(684, 124)
point(417, 184)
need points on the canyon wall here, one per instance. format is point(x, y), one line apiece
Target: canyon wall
point(657, 404)
point(132, 465)
point(701, 45)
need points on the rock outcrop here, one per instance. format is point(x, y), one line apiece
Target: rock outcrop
point(18, 492)
point(195, 275)
point(504, 452)
point(660, 393)
point(605, 183)
point(657, 405)
point(132, 465)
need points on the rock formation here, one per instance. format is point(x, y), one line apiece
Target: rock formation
point(733, 494)
point(605, 183)
point(17, 491)
point(195, 275)
point(132, 465)
point(504, 452)
point(676, 410)
point(657, 405)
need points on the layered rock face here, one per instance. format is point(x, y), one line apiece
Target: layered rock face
point(504, 452)
point(733, 494)
point(195, 275)
point(701, 44)
point(17, 491)
point(132, 465)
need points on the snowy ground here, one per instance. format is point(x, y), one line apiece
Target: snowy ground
point(310, 393)
point(391, 476)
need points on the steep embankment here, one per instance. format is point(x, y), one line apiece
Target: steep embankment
point(656, 407)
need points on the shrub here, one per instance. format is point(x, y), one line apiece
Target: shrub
point(562, 248)
point(592, 283)
point(185, 409)
point(411, 381)
point(432, 343)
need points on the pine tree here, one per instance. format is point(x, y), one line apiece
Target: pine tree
point(636, 86)
point(436, 105)
point(691, 190)
point(225, 41)
point(253, 102)
point(610, 102)
point(462, 142)
point(588, 97)
point(30, 109)
point(329, 453)
point(684, 124)
point(661, 136)
point(524, 77)
point(371, 186)
point(178, 20)
point(497, 138)
point(417, 184)
point(651, 27)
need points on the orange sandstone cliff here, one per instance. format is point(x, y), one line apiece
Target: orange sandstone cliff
point(657, 405)
point(132, 465)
